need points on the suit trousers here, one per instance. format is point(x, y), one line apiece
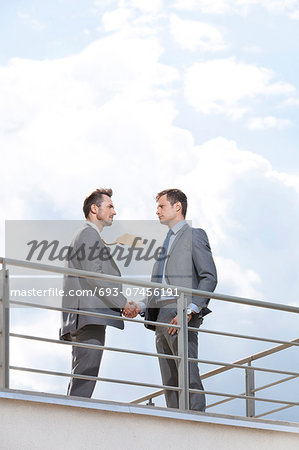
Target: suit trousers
point(168, 344)
point(86, 361)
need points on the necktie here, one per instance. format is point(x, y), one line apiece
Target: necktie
point(162, 257)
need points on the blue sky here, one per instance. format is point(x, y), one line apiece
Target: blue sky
point(137, 95)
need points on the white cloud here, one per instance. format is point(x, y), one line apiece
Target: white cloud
point(289, 102)
point(289, 180)
point(105, 117)
point(289, 7)
point(30, 21)
point(192, 35)
point(116, 19)
point(295, 14)
point(141, 21)
point(104, 3)
point(243, 282)
point(226, 86)
point(264, 123)
point(218, 166)
point(87, 117)
point(255, 49)
point(145, 6)
point(206, 6)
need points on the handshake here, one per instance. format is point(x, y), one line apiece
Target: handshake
point(131, 309)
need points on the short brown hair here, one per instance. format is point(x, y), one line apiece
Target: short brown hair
point(95, 198)
point(173, 196)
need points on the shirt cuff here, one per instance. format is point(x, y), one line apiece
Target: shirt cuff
point(194, 308)
point(142, 306)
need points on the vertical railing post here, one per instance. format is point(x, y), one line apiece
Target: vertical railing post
point(249, 382)
point(183, 366)
point(4, 294)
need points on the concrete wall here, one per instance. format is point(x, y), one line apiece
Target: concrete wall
point(30, 425)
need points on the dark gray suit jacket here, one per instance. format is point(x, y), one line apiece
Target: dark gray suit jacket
point(89, 297)
point(189, 264)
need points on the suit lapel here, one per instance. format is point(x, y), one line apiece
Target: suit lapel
point(177, 237)
point(176, 240)
point(110, 259)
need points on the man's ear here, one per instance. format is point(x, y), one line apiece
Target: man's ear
point(178, 206)
point(93, 208)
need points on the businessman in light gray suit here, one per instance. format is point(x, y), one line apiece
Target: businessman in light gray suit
point(85, 294)
point(187, 261)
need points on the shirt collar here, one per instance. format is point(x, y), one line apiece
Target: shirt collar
point(93, 226)
point(178, 226)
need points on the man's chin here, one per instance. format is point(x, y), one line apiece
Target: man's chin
point(163, 221)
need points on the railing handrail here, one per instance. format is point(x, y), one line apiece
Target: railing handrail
point(92, 314)
point(181, 290)
point(149, 284)
point(286, 344)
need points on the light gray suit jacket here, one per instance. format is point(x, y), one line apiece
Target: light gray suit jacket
point(189, 264)
point(89, 296)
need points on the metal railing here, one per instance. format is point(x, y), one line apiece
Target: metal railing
point(244, 364)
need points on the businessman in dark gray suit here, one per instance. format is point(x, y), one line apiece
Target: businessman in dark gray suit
point(90, 253)
point(186, 261)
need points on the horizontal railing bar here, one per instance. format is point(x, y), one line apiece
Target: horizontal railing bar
point(275, 383)
point(243, 397)
point(147, 397)
point(239, 366)
point(87, 377)
point(81, 312)
point(253, 357)
point(273, 411)
point(150, 284)
point(221, 402)
point(51, 277)
point(285, 344)
point(253, 390)
point(224, 369)
point(55, 277)
point(135, 383)
point(231, 365)
point(245, 336)
point(160, 392)
point(93, 346)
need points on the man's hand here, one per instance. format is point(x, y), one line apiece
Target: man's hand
point(131, 309)
point(174, 321)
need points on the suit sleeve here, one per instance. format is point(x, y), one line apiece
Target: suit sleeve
point(94, 263)
point(204, 266)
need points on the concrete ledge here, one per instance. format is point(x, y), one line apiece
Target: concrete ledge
point(36, 420)
point(80, 402)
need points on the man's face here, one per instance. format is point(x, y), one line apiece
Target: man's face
point(165, 211)
point(105, 212)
